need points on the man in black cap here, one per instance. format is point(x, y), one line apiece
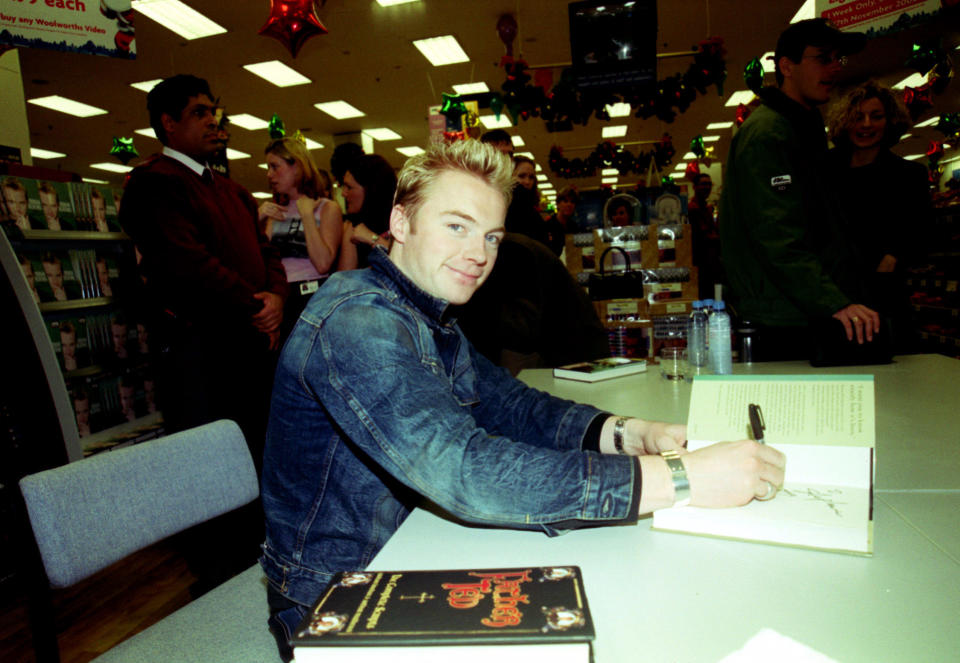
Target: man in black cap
point(787, 261)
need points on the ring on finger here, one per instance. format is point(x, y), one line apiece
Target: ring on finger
point(770, 494)
point(855, 319)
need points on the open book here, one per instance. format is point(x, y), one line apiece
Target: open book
point(825, 426)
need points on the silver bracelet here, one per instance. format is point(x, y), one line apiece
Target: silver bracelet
point(678, 472)
point(618, 435)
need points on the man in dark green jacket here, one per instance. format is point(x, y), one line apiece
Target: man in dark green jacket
point(787, 260)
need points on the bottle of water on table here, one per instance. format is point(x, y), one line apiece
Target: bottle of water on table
point(697, 336)
point(721, 360)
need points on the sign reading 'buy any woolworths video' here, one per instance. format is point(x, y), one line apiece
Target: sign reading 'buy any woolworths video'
point(95, 27)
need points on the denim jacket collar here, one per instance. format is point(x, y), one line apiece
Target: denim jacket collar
point(433, 308)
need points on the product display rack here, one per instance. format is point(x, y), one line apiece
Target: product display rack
point(936, 288)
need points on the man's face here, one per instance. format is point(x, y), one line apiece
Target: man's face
point(505, 146)
point(811, 80)
point(127, 401)
point(196, 133)
point(82, 407)
point(621, 216)
point(16, 202)
point(54, 273)
point(99, 210)
point(50, 205)
point(103, 273)
point(702, 188)
point(449, 249)
point(566, 208)
point(119, 337)
point(68, 344)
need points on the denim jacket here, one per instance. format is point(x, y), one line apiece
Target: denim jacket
point(379, 402)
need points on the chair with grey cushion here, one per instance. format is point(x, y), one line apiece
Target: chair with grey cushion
point(89, 514)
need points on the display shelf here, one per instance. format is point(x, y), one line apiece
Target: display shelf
point(129, 432)
point(72, 235)
point(73, 304)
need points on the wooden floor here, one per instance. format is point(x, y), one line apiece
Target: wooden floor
point(105, 609)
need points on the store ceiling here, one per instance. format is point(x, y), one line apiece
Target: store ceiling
point(368, 60)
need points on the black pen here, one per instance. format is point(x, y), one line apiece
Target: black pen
point(756, 422)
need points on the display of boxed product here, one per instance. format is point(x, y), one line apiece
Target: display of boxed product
point(647, 247)
point(579, 253)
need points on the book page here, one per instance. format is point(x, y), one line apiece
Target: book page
point(829, 410)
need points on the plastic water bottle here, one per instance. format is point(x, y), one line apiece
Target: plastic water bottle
point(697, 336)
point(721, 360)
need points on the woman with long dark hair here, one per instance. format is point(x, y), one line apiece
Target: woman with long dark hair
point(368, 187)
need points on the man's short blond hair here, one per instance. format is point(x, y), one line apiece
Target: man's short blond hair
point(468, 156)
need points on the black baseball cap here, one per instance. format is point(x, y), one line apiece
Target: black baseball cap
point(819, 32)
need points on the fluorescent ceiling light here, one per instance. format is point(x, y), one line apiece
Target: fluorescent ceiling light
point(621, 109)
point(608, 180)
point(529, 155)
point(913, 80)
point(769, 66)
point(382, 134)
point(112, 167)
point(715, 126)
point(740, 97)
point(312, 144)
point(149, 132)
point(471, 88)
point(391, 3)
point(807, 10)
point(339, 110)
point(711, 139)
point(616, 131)
point(517, 141)
point(68, 106)
point(248, 122)
point(441, 50)
point(609, 171)
point(542, 178)
point(93, 180)
point(927, 123)
point(905, 136)
point(146, 86)
point(680, 166)
point(410, 151)
point(276, 72)
point(178, 17)
point(262, 195)
point(537, 167)
point(263, 165)
point(491, 121)
point(689, 156)
point(911, 157)
point(236, 154)
point(37, 153)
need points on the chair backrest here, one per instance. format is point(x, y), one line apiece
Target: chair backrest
point(89, 514)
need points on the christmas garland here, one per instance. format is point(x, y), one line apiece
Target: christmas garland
point(610, 155)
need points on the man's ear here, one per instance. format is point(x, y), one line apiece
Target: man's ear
point(785, 65)
point(167, 122)
point(399, 225)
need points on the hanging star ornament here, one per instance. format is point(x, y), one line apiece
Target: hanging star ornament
point(123, 149)
point(292, 23)
point(276, 127)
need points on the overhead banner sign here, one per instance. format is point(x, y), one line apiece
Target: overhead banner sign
point(95, 27)
point(877, 17)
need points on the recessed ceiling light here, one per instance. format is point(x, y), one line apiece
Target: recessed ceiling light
point(391, 3)
point(178, 17)
point(93, 180)
point(339, 110)
point(608, 180)
point(68, 106)
point(680, 166)
point(905, 136)
point(621, 109)
point(911, 157)
point(263, 165)
point(711, 139)
point(149, 132)
point(112, 167)
point(689, 156)
point(249, 122)
point(312, 144)
point(609, 171)
point(276, 72)
point(517, 141)
point(382, 134)
point(537, 167)
point(471, 88)
point(715, 126)
point(410, 151)
point(807, 10)
point(37, 153)
point(441, 50)
point(541, 177)
point(769, 66)
point(491, 121)
point(927, 123)
point(615, 131)
point(236, 154)
point(146, 86)
point(913, 80)
point(740, 97)
point(261, 195)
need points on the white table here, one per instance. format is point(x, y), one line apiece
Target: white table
point(663, 597)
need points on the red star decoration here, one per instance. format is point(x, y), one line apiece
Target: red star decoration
point(292, 23)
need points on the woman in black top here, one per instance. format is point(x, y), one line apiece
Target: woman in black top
point(368, 187)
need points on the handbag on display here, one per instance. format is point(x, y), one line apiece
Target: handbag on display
point(621, 284)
